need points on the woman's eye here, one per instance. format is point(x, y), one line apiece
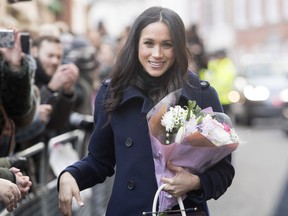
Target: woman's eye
point(148, 43)
point(167, 45)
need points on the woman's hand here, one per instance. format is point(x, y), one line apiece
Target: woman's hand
point(10, 195)
point(182, 182)
point(67, 189)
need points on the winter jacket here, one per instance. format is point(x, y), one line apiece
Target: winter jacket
point(16, 91)
point(18, 100)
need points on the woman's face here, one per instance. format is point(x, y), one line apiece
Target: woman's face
point(156, 52)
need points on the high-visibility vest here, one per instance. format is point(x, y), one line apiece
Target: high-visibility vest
point(221, 75)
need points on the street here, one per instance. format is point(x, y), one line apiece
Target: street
point(261, 173)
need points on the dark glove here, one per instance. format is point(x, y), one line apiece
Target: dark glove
point(18, 162)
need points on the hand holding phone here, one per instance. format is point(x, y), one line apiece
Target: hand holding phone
point(12, 54)
point(7, 40)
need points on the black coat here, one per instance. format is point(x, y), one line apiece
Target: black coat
point(16, 91)
point(125, 145)
point(17, 96)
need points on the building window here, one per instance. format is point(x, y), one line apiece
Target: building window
point(255, 13)
point(195, 11)
point(240, 14)
point(272, 11)
point(218, 12)
point(285, 9)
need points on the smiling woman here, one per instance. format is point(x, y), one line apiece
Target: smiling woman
point(152, 63)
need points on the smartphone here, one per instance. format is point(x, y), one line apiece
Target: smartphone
point(25, 42)
point(7, 39)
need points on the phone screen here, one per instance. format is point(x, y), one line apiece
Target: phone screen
point(25, 42)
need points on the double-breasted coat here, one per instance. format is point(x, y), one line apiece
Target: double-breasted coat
point(124, 146)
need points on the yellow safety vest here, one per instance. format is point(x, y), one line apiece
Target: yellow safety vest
point(221, 74)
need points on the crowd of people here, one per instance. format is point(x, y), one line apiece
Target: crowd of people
point(44, 93)
point(18, 102)
point(44, 90)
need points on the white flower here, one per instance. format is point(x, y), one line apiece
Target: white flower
point(167, 121)
point(174, 118)
point(180, 135)
point(214, 131)
point(191, 126)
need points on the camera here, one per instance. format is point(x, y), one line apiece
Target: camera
point(7, 39)
point(81, 121)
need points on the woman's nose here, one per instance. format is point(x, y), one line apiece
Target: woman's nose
point(157, 52)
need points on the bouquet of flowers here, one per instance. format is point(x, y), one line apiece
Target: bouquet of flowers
point(189, 136)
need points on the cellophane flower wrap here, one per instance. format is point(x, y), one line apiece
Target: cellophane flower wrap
point(189, 136)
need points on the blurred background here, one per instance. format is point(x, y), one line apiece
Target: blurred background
point(239, 46)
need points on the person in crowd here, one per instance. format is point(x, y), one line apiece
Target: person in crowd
point(95, 38)
point(221, 73)
point(19, 103)
point(101, 28)
point(122, 38)
point(106, 56)
point(84, 55)
point(198, 59)
point(19, 107)
point(56, 82)
point(152, 63)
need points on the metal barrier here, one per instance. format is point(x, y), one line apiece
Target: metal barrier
point(43, 200)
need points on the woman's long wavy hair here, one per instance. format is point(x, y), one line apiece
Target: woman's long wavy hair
point(127, 67)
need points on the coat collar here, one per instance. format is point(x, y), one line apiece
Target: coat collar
point(190, 91)
point(132, 93)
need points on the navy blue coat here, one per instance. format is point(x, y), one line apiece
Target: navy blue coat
point(124, 144)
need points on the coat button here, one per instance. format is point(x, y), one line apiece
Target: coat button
point(131, 184)
point(128, 142)
point(217, 194)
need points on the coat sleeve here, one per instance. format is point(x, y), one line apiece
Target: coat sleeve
point(5, 173)
point(100, 161)
point(216, 179)
point(17, 92)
